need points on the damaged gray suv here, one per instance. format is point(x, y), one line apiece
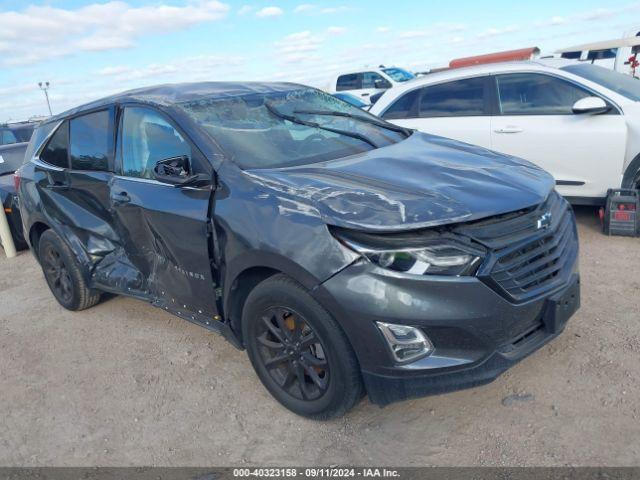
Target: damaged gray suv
point(347, 255)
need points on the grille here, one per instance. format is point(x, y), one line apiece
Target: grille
point(527, 261)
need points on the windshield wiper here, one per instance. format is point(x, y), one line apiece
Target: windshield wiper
point(299, 121)
point(335, 113)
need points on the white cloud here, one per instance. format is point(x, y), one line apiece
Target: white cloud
point(41, 32)
point(383, 29)
point(114, 70)
point(269, 12)
point(494, 32)
point(416, 34)
point(330, 10)
point(595, 15)
point(312, 8)
point(336, 30)
point(184, 69)
point(245, 9)
point(305, 7)
point(298, 47)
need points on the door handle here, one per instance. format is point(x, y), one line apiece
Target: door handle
point(508, 130)
point(365, 94)
point(122, 197)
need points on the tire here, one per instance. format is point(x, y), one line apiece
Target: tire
point(631, 177)
point(63, 275)
point(298, 350)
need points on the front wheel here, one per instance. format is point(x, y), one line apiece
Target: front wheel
point(299, 352)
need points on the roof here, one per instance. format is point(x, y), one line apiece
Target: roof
point(604, 45)
point(471, 71)
point(17, 125)
point(461, 73)
point(509, 55)
point(171, 94)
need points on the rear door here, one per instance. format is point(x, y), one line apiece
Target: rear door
point(91, 143)
point(457, 109)
point(166, 229)
point(535, 121)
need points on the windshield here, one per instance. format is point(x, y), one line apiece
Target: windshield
point(398, 74)
point(269, 130)
point(620, 83)
point(350, 99)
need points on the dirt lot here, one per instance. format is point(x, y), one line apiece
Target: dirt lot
point(126, 384)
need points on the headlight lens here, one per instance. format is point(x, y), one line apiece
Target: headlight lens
point(438, 255)
point(435, 260)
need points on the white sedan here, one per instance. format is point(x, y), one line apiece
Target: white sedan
point(578, 121)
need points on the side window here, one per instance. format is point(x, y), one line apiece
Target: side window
point(90, 141)
point(8, 137)
point(369, 80)
point(403, 107)
point(56, 152)
point(602, 54)
point(571, 55)
point(462, 98)
point(535, 94)
point(348, 82)
point(146, 137)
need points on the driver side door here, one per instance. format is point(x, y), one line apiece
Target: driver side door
point(165, 228)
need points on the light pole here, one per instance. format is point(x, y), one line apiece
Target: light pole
point(45, 87)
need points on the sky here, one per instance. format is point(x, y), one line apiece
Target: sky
point(90, 49)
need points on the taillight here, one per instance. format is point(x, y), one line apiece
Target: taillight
point(16, 180)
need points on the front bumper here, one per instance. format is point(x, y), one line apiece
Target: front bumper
point(477, 333)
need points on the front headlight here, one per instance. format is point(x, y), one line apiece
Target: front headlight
point(428, 254)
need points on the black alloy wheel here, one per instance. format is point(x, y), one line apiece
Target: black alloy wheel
point(62, 273)
point(292, 353)
point(57, 274)
point(299, 351)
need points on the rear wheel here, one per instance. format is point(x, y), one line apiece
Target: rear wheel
point(299, 352)
point(63, 275)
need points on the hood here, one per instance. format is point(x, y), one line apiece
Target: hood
point(423, 181)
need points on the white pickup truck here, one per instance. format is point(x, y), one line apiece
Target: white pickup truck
point(621, 54)
point(366, 83)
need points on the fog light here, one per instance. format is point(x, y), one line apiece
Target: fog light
point(406, 343)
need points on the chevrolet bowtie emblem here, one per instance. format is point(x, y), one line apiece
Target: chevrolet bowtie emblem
point(544, 221)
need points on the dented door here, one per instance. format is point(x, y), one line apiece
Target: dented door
point(164, 228)
point(165, 233)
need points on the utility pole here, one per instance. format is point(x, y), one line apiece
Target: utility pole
point(45, 87)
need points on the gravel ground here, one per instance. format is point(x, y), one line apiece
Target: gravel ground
point(127, 384)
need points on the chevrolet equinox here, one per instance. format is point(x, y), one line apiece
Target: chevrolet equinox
point(347, 255)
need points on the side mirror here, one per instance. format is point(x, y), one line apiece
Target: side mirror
point(175, 170)
point(590, 106)
point(381, 84)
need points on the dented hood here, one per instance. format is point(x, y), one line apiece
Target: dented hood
point(423, 181)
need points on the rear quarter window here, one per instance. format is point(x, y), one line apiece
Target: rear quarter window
point(56, 152)
point(38, 137)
